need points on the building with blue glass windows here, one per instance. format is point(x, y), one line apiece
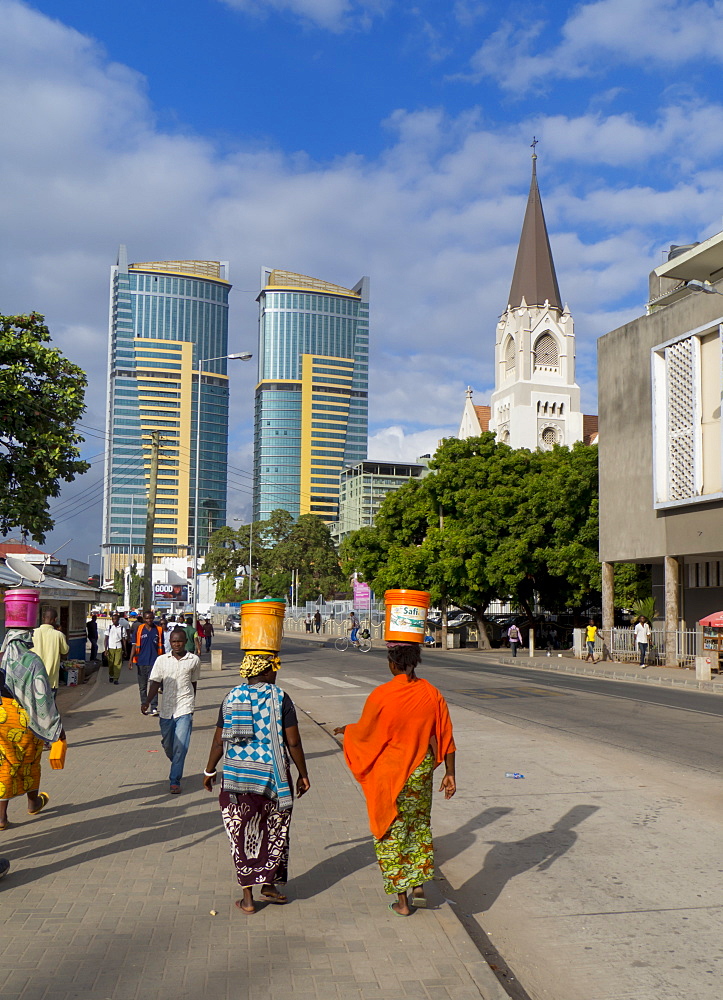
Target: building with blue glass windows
point(311, 408)
point(164, 317)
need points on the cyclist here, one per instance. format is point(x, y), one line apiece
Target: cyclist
point(353, 628)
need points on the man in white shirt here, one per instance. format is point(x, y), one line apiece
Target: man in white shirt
point(178, 672)
point(642, 637)
point(115, 637)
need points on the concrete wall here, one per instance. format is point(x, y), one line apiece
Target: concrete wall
point(630, 528)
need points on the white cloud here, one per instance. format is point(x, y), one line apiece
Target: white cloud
point(434, 220)
point(643, 33)
point(334, 15)
point(395, 444)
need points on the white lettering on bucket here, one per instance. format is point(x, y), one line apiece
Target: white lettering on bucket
point(405, 618)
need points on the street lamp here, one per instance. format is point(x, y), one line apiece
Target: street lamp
point(100, 582)
point(702, 286)
point(244, 356)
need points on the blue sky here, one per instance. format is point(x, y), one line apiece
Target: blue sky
point(348, 137)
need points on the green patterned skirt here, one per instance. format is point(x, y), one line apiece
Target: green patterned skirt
point(406, 853)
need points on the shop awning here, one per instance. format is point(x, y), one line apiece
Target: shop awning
point(713, 621)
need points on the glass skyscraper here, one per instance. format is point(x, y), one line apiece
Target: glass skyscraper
point(164, 317)
point(311, 412)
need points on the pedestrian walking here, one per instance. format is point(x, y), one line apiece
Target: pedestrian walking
point(147, 647)
point(200, 635)
point(256, 732)
point(317, 621)
point(91, 632)
point(209, 632)
point(192, 641)
point(177, 674)
point(116, 636)
point(29, 719)
point(308, 622)
point(642, 637)
point(50, 644)
point(514, 637)
point(128, 643)
point(403, 734)
point(590, 636)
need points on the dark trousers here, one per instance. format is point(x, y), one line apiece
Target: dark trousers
point(143, 675)
point(93, 649)
point(513, 647)
point(643, 648)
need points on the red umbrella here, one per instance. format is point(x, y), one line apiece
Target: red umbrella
point(714, 621)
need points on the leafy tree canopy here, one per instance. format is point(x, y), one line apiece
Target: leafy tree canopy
point(279, 545)
point(490, 523)
point(41, 397)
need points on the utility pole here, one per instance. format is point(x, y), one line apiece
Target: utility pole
point(150, 522)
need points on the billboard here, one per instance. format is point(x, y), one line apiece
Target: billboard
point(176, 592)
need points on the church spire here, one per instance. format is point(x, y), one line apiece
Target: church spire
point(534, 279)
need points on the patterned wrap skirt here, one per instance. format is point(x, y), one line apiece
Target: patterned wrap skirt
point(20, 752)
point(406, 853)
point(258, 832)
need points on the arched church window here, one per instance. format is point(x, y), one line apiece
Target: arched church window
point(509, 363)
point(546, 354)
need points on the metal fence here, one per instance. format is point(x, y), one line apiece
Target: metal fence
point(621, 645)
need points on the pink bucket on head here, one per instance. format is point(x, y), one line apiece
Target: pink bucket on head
point(21, 608)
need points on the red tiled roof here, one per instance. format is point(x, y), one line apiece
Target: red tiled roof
point(589, 428)
point(17, 549)
point(483, 416)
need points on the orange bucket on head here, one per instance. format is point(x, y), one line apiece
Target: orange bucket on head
point(262, 625)
point(406, 615)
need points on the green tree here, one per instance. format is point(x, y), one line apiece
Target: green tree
point(228, 552)
point(41, 398)
point(280, 545)
point(135, 587)
point(118, 582)
point(489, 523)
point(309, 549)
point(633, 582)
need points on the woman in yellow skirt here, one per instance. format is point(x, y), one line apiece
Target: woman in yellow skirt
point(28, 720)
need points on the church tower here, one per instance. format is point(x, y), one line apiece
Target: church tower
point(536, 401)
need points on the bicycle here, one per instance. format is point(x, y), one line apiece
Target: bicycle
point(363, 642)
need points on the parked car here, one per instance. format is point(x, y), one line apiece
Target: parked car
point(232, 624)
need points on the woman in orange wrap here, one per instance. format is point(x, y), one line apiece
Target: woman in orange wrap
point(404, 733)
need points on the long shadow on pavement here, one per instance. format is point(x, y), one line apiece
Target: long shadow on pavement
point(508, 859)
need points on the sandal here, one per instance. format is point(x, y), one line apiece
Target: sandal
point(239, 906)
point(44, 799)
point(272, 896)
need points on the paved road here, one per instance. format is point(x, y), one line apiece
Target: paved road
point(621, 714)
point(598, 876)
point(112, 886)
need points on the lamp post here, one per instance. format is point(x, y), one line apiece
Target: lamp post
point(702, 286)
point(100, 582)
point(245, 356)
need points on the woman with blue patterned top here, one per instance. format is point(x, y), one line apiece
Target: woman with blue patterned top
point(256, 732)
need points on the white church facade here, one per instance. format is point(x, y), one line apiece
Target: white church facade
point(536, 400)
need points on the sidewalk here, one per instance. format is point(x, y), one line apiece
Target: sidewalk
point(565, 663)
point(111, 889)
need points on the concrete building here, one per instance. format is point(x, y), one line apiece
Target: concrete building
point(661, 484)
point(362, 489)
point(536, 400)
point(165, 316)
point(311, 398)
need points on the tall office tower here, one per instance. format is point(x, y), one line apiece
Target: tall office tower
point(164, 317)
point(311, 397)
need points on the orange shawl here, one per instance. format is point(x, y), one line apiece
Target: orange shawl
point(391, 739)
